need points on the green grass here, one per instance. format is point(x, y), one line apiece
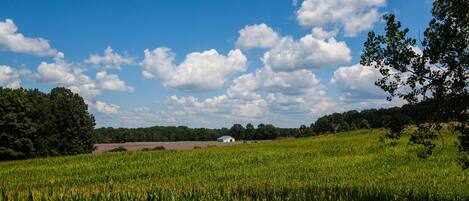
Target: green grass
point(347, 166)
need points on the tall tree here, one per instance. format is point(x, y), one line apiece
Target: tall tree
point(73, 125)
point(439, 73)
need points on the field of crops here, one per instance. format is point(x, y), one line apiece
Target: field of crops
point(346, 166)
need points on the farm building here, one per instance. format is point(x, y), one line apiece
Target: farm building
point(225, 139)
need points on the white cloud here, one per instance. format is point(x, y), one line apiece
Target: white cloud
point(257, 36)
point(244, 87)
point(58, 72)
point(251, 109)
point(106, 108)
point(62, 72)
point(263, 96)
point(10, 40)
point(9, 77)
point(361, 22)
point(111, 82)
point(293, 83)
point(88, 90)
point(200, 71)
point(307, 53)
point(357, 82)
point(355, 16)
point(110, 59)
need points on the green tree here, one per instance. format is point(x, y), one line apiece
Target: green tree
point(439, 73)
point(237, 131)
point(249, 132)
point(73, 125)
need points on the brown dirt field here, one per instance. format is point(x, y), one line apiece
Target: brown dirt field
point(134, 146)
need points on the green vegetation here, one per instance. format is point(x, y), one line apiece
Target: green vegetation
point(35, 124)
point(118, 149)
point(343, 166)
point(437, 72)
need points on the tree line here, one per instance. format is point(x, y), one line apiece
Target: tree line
point(395, 118)
point(36, 124)
point(184, 133)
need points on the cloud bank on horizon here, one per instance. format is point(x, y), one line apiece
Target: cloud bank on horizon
point(209, 88)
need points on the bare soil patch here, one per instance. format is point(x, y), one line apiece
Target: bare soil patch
point(183, 145)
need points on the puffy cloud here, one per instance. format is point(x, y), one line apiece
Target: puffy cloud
point(88, 90)
point(110, 59)
point(251, 109)
point(357, 82)
point(10, 40)
point(244, 87)
point(111, 82)
point(106, 108)
point(200, 71)
point(70, 75)
point(9, 77)
point(257, 36)
point(309, 52)
point(58, 72)
point(261, 97)
point(294, 83)
point(355, 16)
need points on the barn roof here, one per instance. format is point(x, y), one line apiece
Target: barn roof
point(225, 137)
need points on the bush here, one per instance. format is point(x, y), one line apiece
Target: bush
point(159, 148)
point(118, 149)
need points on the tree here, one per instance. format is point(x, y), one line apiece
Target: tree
point(237, 131)
point(249, 132)
point(34, 124)
point(438, 73)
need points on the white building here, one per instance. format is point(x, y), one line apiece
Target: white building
point(225, 139)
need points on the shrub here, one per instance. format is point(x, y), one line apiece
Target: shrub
point(159, 148)
point(118, 149)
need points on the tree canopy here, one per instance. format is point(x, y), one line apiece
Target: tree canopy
point(438, 74)
point(34, 124)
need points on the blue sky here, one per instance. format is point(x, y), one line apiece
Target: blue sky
point(208, 63)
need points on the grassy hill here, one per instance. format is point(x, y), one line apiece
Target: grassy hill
point(345, 166)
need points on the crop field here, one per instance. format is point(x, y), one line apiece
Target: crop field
point(344, 166)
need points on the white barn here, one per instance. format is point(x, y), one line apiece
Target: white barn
point(225, 139)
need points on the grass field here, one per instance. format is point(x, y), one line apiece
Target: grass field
point(346, 166)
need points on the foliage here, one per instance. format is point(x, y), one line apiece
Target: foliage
point(34, 124)
point(159, 148)
point(118, 149)
point(438, 75)
point(343, 166)
point(183, 133)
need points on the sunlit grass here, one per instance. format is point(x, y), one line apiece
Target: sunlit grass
point(347, 166)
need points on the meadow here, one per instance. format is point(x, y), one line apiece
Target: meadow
point(344, 166)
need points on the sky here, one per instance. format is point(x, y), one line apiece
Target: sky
point(201, 63)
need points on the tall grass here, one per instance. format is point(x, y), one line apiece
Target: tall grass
point(348, 166)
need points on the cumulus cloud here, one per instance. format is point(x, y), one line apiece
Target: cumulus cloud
point(311, 51)
point(111, 82)
point(257, 36)
point(200, 71)
point(106, 108)
point(62, 72)
point(9, 77)
point(357, 82)
point(262, 95)
point(11, 40)
point(354, 16)
point(110, 59)
point(58, 72)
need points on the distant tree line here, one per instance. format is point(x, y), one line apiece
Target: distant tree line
point(395, 119)
point(34, 124)
point(183, 133)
